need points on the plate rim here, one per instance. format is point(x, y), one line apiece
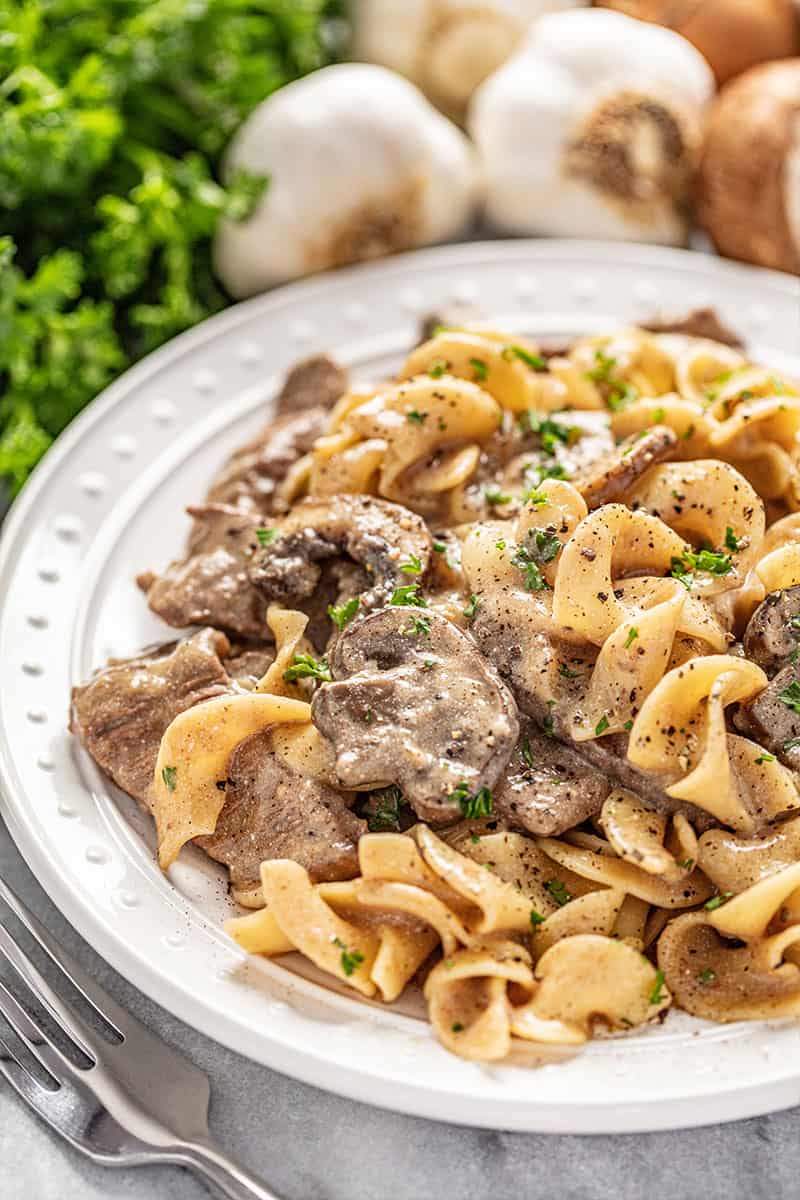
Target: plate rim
point(358, 1084)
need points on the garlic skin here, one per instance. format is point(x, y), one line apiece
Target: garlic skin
point(359, 164)
point(593, 129)
point(748, 195)
point(446, 47)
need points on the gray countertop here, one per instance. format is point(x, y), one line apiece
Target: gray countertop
point(310, 1145)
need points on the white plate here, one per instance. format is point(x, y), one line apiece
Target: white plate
point(108, 501)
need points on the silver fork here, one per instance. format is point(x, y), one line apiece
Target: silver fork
point(134, 1100)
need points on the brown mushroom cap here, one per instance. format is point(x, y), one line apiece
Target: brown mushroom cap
point(732, 34)
point(741, 185)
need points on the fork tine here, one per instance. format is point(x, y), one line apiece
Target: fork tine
point(111, 1013)
point(61, 1012)
point(34, 1038)
point(13, 1069)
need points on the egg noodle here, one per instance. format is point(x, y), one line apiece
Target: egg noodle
point(613, 607)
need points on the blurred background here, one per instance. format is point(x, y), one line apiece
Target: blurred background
point(160, 159)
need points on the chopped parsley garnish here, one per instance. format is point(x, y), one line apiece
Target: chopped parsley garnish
point(169, 775)
point(717, 901)
point(537, 499)
point(565, 672)
point(628, 726)
point(536, 918)
point(457, 1027)
point(473, 807)
point(658, 416)
point(534, 580)
point(385, 815)
point(408, 594)
point(496, 496)
point(764, 757)
point(413, 566)
point(706, 975)
point(618, 392)
point(792, 744)
point(419, 625)
point(305, 667)
point(416, 416)
point(472, 606)
point(437, 369)
point(601, 726)
point(265, 536)
point(547, 544)
point(525, 751)
point(657, 994)
point(709, 561)
point(342, 614)
point(790, 696)
point(633, 633)
point(349, 959)
point(536, 473)
point(731, 540)
point(687, 864)
point(548, 726)
point(439, 547)
point(551, 432)
point(558, 890)
point(501, 545)
point(480, 368)
point(369, 716)
point(534, 361)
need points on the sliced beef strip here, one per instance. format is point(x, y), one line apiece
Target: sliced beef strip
point(771, 722)
point(416, 705)
point(770, 636)
point(314, 382)
point(376, 534)
point(548, 788)
point(121, 714)
point(608, 478)
point(210, 585)
point(271, 811)
point(701, 323)
point(251, 477)
point(247, 663)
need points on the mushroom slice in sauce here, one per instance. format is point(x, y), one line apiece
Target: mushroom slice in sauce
point(773, 631)
point(772, 717)
point(414, 703)
point(608, 478)
point(548, 788)
point(380, 536)
point(271, 811)
point(700, 323)
point(210, 584)
point(314, 381)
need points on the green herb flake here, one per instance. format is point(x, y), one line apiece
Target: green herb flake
point(534, 361)
point(437, 369)
point(534, 580)
point(342, 614)
point(349, 960)
point(558, 890)
point(416, 417)
point(633, 634)
point(687, 864)
point(657, 994)
point(497, 497)
point(792, 744)
point(408, 595)
point(706, 975)
point(384, 815)
point(731, 540)
point(170, 777)
point(457, 1027)
point(439, 547)
point(565, 672)
point(304, 666)
point(790, 696)
point(628, 726)
point(418, 626)
point(536, 498)
point(480, 369)
point(412, 566)
point(472, 606)
point(658, 416)
point(764, 757)
point(266, 536)
point(717, 901)
point(601, 726)
point(536, 918)
point(526, 752)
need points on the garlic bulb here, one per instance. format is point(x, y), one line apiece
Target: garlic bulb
point(359, 165)
point(447, 47)
point(749, 184)
point(593, 129)
point(732, 34)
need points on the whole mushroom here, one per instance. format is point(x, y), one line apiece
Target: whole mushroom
point(749, 182)
point(732, 34)
point(358, 165)
point(446, 47)
point(593, 129)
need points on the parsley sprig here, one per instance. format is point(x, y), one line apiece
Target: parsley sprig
point(305, 666)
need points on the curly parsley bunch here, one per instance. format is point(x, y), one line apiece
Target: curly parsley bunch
point(113, 118)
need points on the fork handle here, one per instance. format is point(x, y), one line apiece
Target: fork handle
point(214, 1165)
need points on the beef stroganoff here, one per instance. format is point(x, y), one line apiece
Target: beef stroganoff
point(496, 687)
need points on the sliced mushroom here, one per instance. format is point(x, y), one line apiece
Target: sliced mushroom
point(380, 536)
point(272, 811)
point(317, 381)
point(772, 717)
point(547, 788)
point(415, 704)
point(608, 478)
point(251, 477)
point(121, 713)
point(773, 631)
point(210, 584)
